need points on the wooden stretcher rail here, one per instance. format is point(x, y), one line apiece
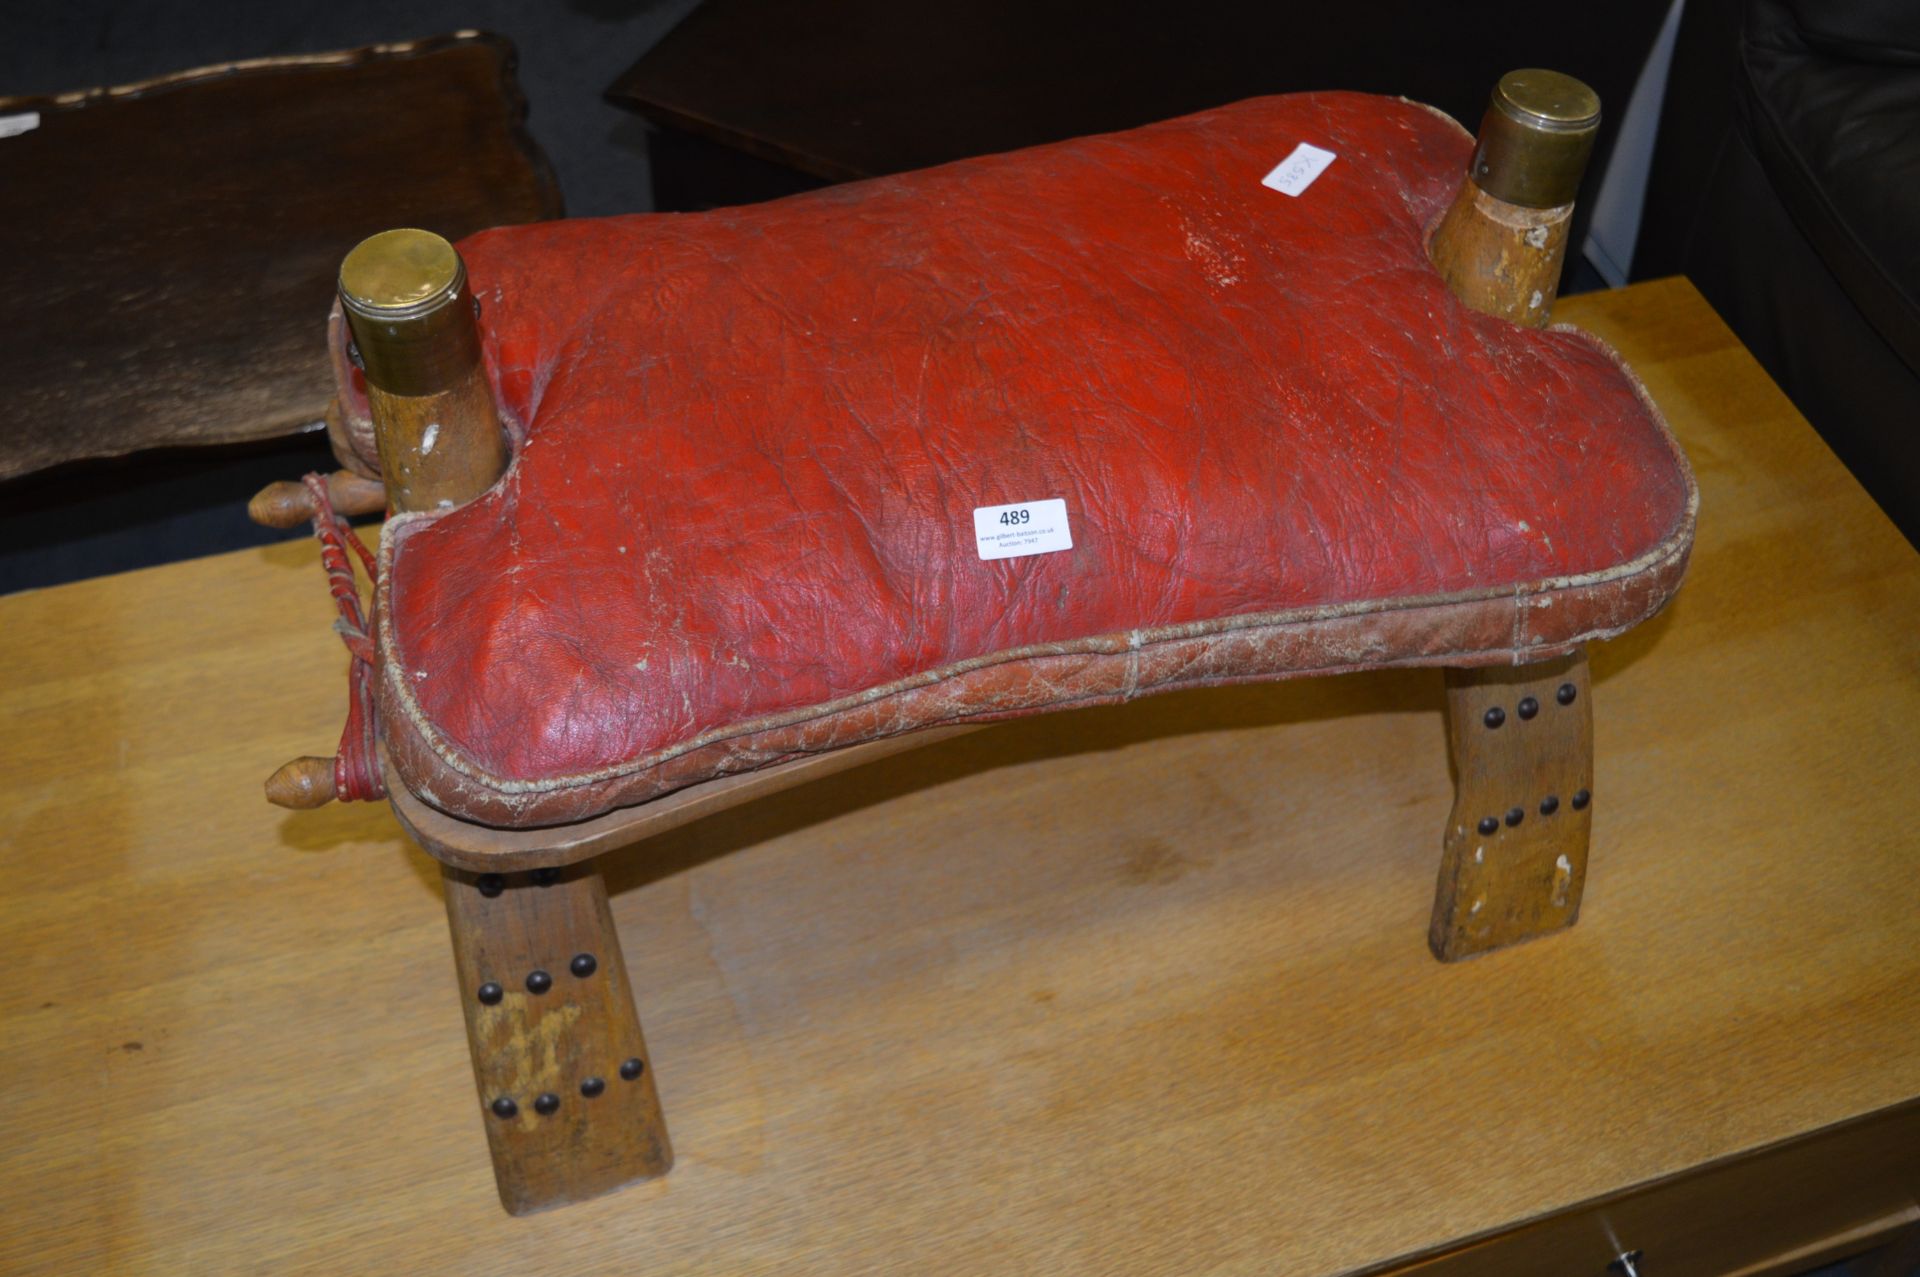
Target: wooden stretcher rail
point(482, 848)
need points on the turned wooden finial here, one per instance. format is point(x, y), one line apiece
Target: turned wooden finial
point(1502, 244)
point(287, 503)
point(303, 784)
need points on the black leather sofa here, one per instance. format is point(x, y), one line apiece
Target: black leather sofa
point(1786, 184)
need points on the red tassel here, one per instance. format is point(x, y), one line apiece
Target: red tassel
point(356, 768)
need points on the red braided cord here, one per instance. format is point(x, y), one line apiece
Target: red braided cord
point(356, 770)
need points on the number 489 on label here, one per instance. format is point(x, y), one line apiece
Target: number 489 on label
point(1022, 528)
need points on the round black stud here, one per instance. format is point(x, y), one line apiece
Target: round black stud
point(545, 877)
point(1549, 805)
point(1494, 717)
point(1489, 825)
point(1580, 799)
point(504, 1107)
point(633, 1068)
point(546, 1104)
point(583, 965)
point(1566, 694)
point(1528, 707)
point(592, 1087)
point(538, 982)
point(1515, 815)
point(491, 993)
point(491, 885)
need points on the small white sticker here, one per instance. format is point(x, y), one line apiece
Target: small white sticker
point(15, 125)
point(1031, 527)
point(1298, 171)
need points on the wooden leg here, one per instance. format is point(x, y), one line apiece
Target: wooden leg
point(1515, 857)
point(566, 1088)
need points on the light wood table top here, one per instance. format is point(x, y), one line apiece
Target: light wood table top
point(1141, 989)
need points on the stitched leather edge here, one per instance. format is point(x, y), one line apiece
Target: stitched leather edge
point(1528, 622)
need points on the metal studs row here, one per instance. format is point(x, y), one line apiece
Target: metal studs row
point(491, 885)
point(538, 982)
point(546, 1104)
point(1490, 825)
point(1528, 706)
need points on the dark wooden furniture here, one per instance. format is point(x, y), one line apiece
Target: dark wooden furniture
point(172, 244)
point(762, 97)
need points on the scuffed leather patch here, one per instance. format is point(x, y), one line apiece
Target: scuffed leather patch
point(738, 524)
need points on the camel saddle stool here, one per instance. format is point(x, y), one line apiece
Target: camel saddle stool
point(688, 508)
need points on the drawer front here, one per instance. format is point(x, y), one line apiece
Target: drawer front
point(1736, 1216)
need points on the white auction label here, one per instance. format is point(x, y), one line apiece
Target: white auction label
point(15, 125)
point(1298, 171)
point(1030, 527)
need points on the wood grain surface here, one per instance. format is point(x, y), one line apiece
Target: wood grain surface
point(558, 1058)
point(177, 242)
point(485, 849)
point(1517, 840)
point(1131, 990)
point(420, 476)
point(1502, 258)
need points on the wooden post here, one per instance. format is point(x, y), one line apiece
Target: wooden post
point(1515, 851)
point(565, 1086)
point(564, 1077)
point(1515, 859)
point(1501, 245)
point(405, 297)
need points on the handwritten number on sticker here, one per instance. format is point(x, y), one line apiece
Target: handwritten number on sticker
point(1299, 170)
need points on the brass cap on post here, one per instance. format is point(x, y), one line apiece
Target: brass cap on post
point(406, 299)
point(1535, 139)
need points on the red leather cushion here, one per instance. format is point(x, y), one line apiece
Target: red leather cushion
point(739, 521)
